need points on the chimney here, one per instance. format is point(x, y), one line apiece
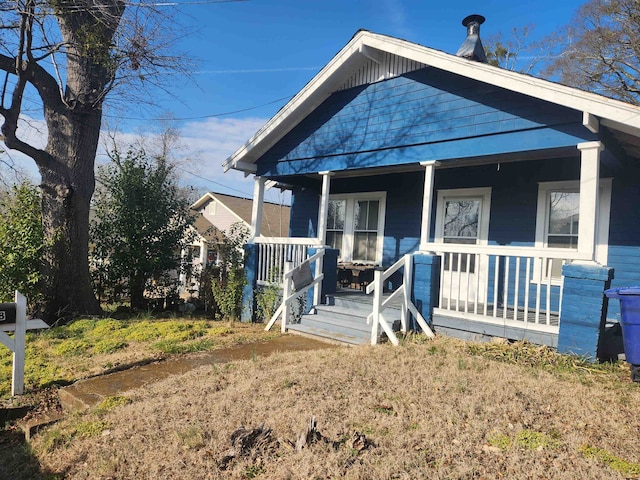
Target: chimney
point(472, 48)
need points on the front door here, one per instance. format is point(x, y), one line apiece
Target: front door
point(463, 218)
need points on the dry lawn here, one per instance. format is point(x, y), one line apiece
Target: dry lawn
point(436, 410)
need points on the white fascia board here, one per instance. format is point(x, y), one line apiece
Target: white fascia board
point(603, 107)
point(613, 113)
point(240, 219)
point(303, 103)
point(202, 200)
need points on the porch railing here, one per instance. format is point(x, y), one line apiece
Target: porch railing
point(376, 317)
point(290, 293)
point(519, 286)
point(273, 252)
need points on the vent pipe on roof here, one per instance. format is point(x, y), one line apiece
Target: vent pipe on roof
point(472, 48)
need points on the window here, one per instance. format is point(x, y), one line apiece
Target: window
point(211, 208)
point(335, 223)
point(462, 217)
point(365, 230)
point(558, 220)
point(355, 226)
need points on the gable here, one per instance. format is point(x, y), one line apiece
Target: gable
point(371, 57)
point(428, 114)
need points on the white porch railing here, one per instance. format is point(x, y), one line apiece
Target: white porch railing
point(380, 304)
point(516, 286)
point(273, 252)
point(289, 293)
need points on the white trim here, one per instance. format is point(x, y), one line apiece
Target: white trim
point(323, 211)
point(427, 199)
point(257, 207)
point(601, 231)
point(481, 193)
point(349, 227)
point(612, 113)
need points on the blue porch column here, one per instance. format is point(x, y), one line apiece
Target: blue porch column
point(330, 271)
point(426, 285)
point(583, 308)
point(251, 273)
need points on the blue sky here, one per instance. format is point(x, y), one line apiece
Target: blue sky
point(254, 55)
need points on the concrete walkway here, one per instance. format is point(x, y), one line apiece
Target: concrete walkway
point(87, 393)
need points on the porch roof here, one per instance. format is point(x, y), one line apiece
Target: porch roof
point(366, 47)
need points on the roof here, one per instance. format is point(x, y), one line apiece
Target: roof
point(275, 218)
point(207, 230)
point(366, 46)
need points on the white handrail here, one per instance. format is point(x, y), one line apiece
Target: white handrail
point(288, 296)
point(379, 305)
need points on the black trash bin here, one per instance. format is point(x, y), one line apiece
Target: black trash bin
point(630, 322)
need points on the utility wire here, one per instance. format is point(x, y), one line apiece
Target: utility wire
point(213, 115)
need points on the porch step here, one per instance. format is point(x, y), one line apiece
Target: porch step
point(344, 323)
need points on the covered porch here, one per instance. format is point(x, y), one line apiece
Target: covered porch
point(478, 285)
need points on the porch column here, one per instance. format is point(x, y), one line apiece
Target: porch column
point(589, 190)
point(257, 207)
point(427, 201)
point(324, 207)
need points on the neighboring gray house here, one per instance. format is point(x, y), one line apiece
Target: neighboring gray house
point(216, 213)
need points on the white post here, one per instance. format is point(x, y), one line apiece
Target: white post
point(257, 207)
point(286, 292)
point(406, 290)
point(317, 289)
point(377, 303)
point(17, 384)
point(589, 190)
point(427, 201)
point(323, 211)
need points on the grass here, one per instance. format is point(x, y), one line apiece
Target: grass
point(441, 409)
point(87, 347)
point(429, 409)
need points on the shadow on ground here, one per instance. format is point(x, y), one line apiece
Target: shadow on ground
point(18, 462)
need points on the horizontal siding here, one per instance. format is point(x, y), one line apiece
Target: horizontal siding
point(304, 212)
point(624, 233)
point(426, 108)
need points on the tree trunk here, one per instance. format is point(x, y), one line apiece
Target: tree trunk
point(136, 290)
point(67, 186)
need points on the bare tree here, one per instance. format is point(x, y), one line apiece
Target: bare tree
point(515, 52)
point(599, 50)
point(70, 55)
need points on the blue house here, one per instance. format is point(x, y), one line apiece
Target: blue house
point(499, 204)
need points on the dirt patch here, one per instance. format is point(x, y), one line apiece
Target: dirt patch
point(434, 410)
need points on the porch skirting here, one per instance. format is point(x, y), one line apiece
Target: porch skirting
point(479, 330)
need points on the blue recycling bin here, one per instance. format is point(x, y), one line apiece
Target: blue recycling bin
point(629, 320)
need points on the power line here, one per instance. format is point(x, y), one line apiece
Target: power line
point(207, 116)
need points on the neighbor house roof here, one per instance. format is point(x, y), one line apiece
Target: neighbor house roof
point(275, 218)
point(367, 46)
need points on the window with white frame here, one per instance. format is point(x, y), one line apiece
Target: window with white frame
point(462, 217)
point(558, 219)
point(355, 226)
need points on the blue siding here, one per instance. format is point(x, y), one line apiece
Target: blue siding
point(304, 212)
point(428, 114)
point(624, 233)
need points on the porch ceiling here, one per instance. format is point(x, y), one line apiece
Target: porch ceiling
point(312, 179)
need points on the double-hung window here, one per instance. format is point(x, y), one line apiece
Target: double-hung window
point(355, 226)
point(558, 220)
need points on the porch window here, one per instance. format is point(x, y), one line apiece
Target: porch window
point(355, 224)
point(462, 217)
point(558, 220)
point(335, 223)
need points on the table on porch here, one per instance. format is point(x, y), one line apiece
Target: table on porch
point(355, 276)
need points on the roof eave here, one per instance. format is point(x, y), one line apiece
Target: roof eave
point(613, 113)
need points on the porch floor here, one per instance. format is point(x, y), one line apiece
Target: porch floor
point(499, 313)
